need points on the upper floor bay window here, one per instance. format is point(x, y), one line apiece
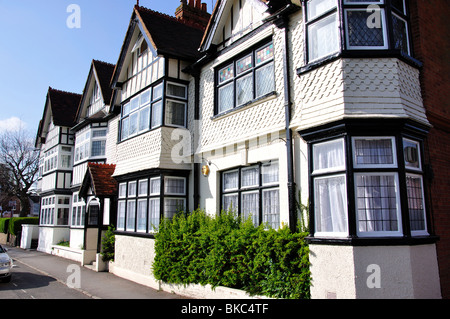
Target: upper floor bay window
point(245, 79)
point(91, 143)
point(365, 24)
point(162, 104)
point(379, 191)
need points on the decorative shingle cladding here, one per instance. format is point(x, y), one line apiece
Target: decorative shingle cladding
point(256, 119)
point(147, 151)
point(356, 87)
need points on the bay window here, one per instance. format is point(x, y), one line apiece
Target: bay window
point(253, 193)
point(165, 103)
point(246, 78)
point(144, 202)
point(366, 25)
point(367, 187)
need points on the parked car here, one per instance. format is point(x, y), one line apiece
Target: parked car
point(6, 265)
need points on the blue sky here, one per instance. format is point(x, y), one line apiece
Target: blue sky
point(38, 49)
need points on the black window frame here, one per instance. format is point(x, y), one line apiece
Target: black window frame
point(233, 61)
point(161, 195)
point(163, 100)
point(400, 132)
point(260, 188)
point(388, 11)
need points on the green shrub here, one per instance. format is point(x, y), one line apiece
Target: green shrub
point(224, 251)
point(15, 224)
point(4, 222)
point(108, 244)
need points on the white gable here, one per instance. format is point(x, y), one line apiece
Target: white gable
point(234, 19)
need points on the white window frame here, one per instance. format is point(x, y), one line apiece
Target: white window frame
point(166, 178)
point(394, 152)
point(363, 47)
point(423, 232)
point(332, 169)
point(397, 233)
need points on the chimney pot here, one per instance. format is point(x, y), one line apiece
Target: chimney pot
point(198, 4)
point(204, 7)
point(191, 3)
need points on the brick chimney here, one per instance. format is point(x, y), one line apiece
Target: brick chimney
point(194, 13)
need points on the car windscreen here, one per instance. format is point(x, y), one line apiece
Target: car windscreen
point(2, 250)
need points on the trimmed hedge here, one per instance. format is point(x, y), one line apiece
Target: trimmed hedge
point(4, 223)
point(222, 250)
point(15, 224)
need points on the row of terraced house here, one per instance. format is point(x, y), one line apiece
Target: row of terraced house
point(341, 101)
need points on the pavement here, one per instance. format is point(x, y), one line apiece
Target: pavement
point(95, 285)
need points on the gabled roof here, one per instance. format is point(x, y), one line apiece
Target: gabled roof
point(100, 72)
point(99, 178)
point(62, 106)
point(220, 13)
point(164, 33)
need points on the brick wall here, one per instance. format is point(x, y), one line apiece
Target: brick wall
point(431, 37)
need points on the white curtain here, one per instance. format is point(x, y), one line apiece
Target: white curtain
point(250, 207)
point(376, 203)
point(331, 204)
point(153, 212)
point(271, 208)
point(329, 155)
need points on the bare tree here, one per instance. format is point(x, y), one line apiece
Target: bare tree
point(20, 166)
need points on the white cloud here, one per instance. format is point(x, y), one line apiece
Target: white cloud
point(12, 124)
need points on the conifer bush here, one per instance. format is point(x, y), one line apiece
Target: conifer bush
point(224, 251)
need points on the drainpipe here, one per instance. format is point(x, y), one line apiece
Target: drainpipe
point(281, 20)
point(195, 142)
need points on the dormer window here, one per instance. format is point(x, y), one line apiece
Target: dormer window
point(366, 24)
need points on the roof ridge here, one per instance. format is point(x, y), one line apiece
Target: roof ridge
point(103, 62)
point(166, 16)
point(62, 91)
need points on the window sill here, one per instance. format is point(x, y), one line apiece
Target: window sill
point(135, 234)
point(360, 54)
point(373, 241)
point(261, 99)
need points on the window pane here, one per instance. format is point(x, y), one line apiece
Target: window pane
point(244, 89)
point(153, 214)
point(123, 190)
point(330, 199)
point(135, 103)
point(271, 208)
point(155, 186)
point(174, 186)
point(318, 7)
point(416, 203)
point(142, 215)
point(362, 34)
point(99, 133)
point(265, 79)
point(270, 173)
point(143, 185)
point(125, 130)
point(121, 215)
point(126, 109)
point(250, 207)
point(250, 177)
point(376, 203)
point(323, 38)
point(411, 152)
point(399, 5)
point(98, 148)
point(244, 64)
point(329, 155)
point(226, 97)
point(230, 202)
point(400, 29)
point(133, 124)
point(374, 152)
point(131, 215)
point(145, 97)
point(230, 180)
point(176, 90)
point(175, 113)
point(144, 119)
point(172, 206)
point(264, 54)
point(157, 92)
point(131, 189)
point(226, 74)
point(156, 114)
